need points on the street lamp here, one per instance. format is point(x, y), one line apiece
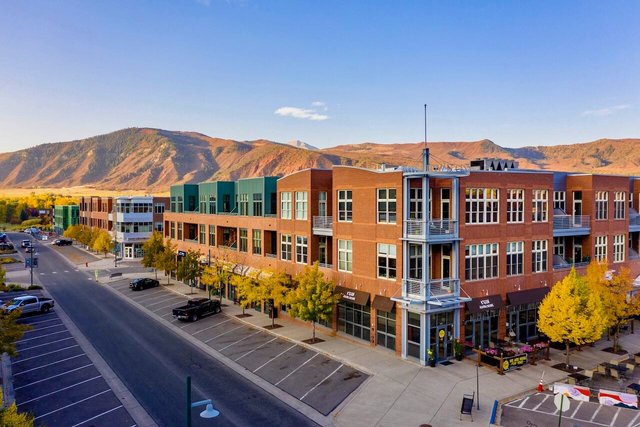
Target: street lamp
point(115, 250)
point(209, 412)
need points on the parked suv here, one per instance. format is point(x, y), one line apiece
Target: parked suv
point(62, 242)
point(25, 243)
point(143, 283)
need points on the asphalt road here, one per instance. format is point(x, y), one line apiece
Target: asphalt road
point(151, 360)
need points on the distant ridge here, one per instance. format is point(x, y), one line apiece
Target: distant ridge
point(154, 159)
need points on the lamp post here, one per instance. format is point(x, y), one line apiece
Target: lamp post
point(209, 412)
point(115, 250)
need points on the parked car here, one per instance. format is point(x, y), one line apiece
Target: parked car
point(30, 249)
point(28, 304)
point(25, 243)
point(143, 283)
point(63, 242)
point(197, 308)
point(5, 246)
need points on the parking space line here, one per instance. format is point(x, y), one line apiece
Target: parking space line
point(43, 354)
point(257, 348)
point(523, 402)
point(632, 422)
point(224, 333)
point(323, 380)
point(212, 326)
point(42, 329)
point(595, 413)
point(159, 296)
point(546, 396)
point(615, 417)
point(273, 358)
point(54, 376)
point(72, 404)
point(59, 390)
point(163, 307)
point(47, 343)
point(48, 364)
point(41, 336)
point(295, 370)
point(576, 410)
point(240, 340)
point(156, 303)
point(43, 321)
point(97, 416)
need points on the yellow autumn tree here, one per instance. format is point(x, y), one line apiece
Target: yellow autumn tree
point(247, 290)
point(572, 313)
point(274, 289)
point(615, 293)
point(103, 242)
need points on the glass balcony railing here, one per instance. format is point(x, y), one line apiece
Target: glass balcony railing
point(323, 225)
point(563, 222)
point(435, 229)
point(434, 288)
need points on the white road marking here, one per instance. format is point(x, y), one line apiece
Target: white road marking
point(541, 402)
point(42, 274)
point(163, 307)
point(224, 333)
point(72, 404)
point(523, 402)
point(54, 376)
point(259, 347)
point(48, 364)
point(295, 370)
point(323, 380)
point(156, 303)
point(273, 358)
point(234, 343)
point(577, 408)
point(615, 417)
point(99, 415)
point(59, 390)
point(633, 420)
point(42, 321)
point(66, 271)
point(47, 343)
point(54, 272)
point(210, 327)
point(41, 336)
point(596, 412)
point(43, 354)
point(42, 329)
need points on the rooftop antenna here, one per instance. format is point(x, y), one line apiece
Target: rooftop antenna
point(425, 150)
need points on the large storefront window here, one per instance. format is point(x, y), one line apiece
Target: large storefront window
point(355, 319)
point(481, 328)
point(441, 334)
point(523, 322)
point(413, 334)
point(386, 329)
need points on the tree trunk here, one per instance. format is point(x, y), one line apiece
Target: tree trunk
point(567, 361)
point(314, 331)
point(616, 336)
point(156, 270)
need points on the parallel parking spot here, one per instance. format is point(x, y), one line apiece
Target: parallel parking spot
point(315, 379)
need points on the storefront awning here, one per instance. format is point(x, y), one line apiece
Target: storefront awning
point(491, 302)
point(351, 295)
point(381, 303)
point(528, 296)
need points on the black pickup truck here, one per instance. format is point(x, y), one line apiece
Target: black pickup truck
point(197, 308)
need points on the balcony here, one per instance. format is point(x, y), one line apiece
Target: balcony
point(325, 265)
point(436, 229)
point(559, 263)
point(323, 225)
point(633, 254)
point(571, 225)
point(435, 291)
point(634, 220)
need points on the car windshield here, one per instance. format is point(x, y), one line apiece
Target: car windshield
point(14, 301)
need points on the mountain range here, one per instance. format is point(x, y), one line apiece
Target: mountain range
point(154, 159)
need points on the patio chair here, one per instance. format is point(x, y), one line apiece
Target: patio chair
point(601, 369)
point(615, 374)
point(614, 362)
point(589, 373)
point(630, 368)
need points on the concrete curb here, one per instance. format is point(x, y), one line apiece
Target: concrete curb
point(6, 375)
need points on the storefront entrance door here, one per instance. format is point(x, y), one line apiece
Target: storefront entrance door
point(128, 252)
point(442, 343)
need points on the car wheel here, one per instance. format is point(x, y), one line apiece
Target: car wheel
point(45, 308)
point(194, 317)
point(156, 284)
point(218, 310)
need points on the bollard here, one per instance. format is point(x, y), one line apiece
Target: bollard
point(493, 413)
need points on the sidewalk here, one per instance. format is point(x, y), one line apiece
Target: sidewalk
point(399, 392)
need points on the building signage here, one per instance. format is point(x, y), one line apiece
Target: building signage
point(513, 362)
point(489, 302)
point(352, 295)
point(486, 304)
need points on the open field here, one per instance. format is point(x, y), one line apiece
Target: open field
point(74, 192)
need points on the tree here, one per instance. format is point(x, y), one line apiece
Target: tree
point(103, 242)
point(246, 288)
point(3, 275)
point(314, 298)
point(167, 260)
point(73, 231)
point(274, 289)
point(10, 332)
point(152, 250)
point(189, 268)
point(615, 293)
point(11, 417)
point(572, 312)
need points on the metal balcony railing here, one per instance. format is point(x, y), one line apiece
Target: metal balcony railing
point(417, 289)
point(325, 265)
point(562, 264)
point(436, 228)
point(323, 225)
point(634, 219)
point(633, 254)
point(563, 222)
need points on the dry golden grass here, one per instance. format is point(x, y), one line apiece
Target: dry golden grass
point(74, 192)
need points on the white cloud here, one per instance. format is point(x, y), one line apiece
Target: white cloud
point(301, 113)
point(318, 104)
point(605, 111)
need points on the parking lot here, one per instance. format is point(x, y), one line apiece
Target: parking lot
point(55, 380)
point(315, 379)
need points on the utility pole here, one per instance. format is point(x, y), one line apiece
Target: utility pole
point(31, 262)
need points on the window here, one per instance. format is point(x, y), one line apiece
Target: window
point(158, 227)
point(481, 205)
point(285, 247)
point(558, 246)
point(345, 255)
point(179, 231)
point(415, 203)
point(172, 230)
point(481, 261)
point(212, 235)
point(559, 200)
point(285, 205)
point(387, 205)
point(515, 206)
point(322, 203)
point(243, 204)
point(515, 254)
point(301, 249)
point(180, 204)
point(618, 205)
point(540, 209)
point(244, 240)
point(386, 261)
point(539, 256)
point(618, 248)
point(602, 199)
point(301, 205)
point(202, 234)
point(601, 248)
point(172, 205)
point(213, 207)
point(202, 207)
point(257, 204)
point(257, 242)
point(386, 329)
point(415, 261)
point(345, 205)
point(158, 208)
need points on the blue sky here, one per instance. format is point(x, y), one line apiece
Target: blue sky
point(325, 72)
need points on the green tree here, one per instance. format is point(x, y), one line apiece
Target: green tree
point(572, 313)
point(314, 298)
point(152, 250)
point(10, 332)
point(3, 275)
point(103, 242)
point(189, 268)
point(167, 260)
point(10, 417)
point(246, 289)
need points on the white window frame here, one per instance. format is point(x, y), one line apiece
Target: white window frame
point(387, 205)
point(619, 202)
point(386, 254)
point(286, 250)
point(540, 255)
point(560, 200)
point(285, 205)
point(489, 267)
point(515, 205)
point(345, 205)
point(540, 206)
point(345, 256)
point(602, 205)
point(302, 249)
point(322, 203)
point(600, 248)
point(619, 243)
point(515, 252)
point(482, 205)
point(301, 205)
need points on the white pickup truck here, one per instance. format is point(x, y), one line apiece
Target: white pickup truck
point(28, 304)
